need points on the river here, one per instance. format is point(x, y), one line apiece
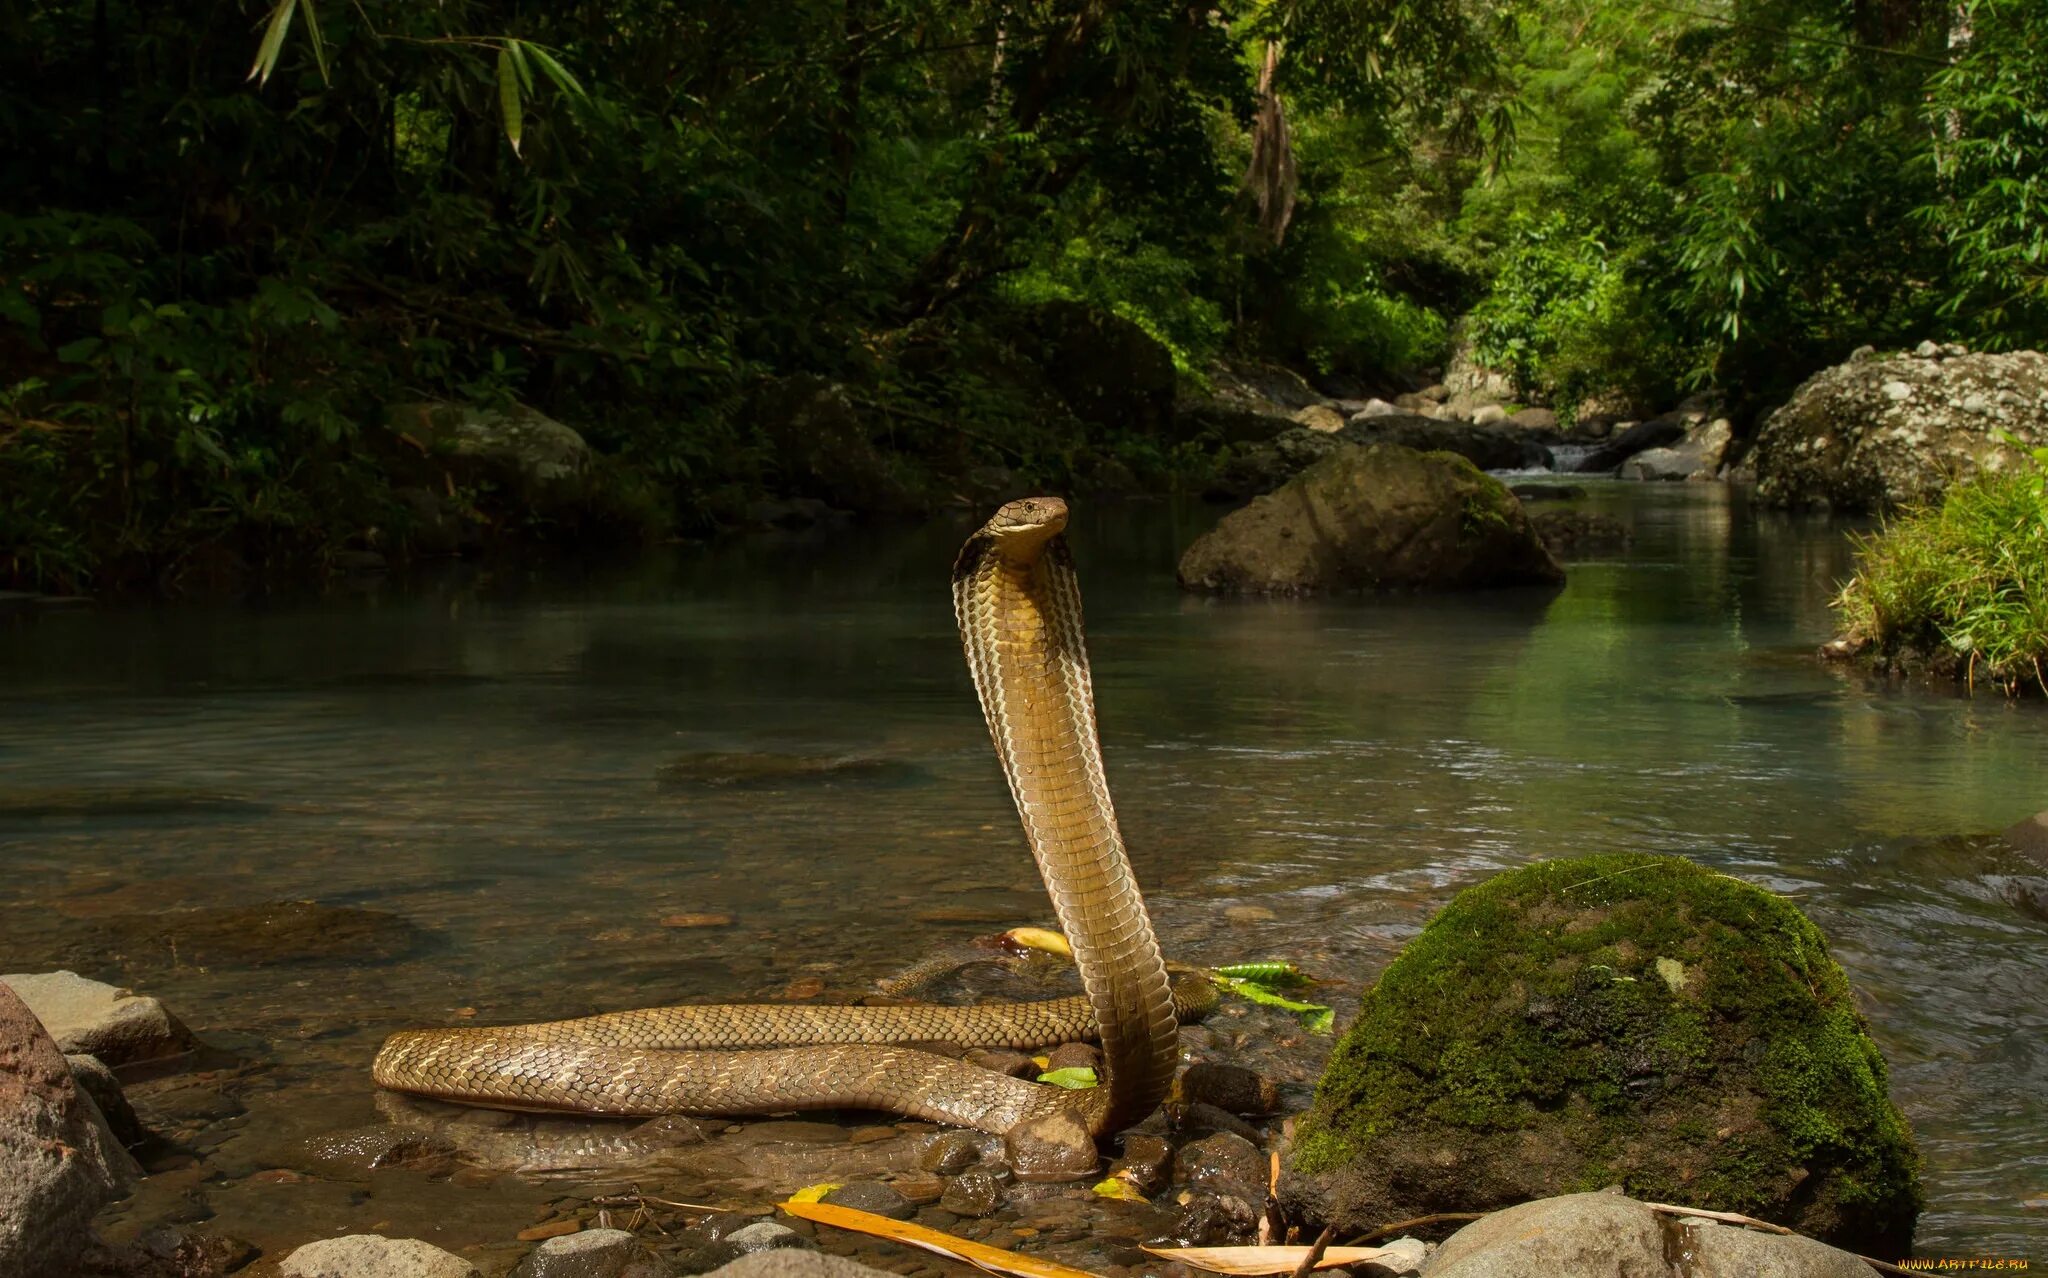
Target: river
point(471, 763)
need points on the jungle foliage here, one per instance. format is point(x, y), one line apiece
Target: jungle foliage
point(232, 232)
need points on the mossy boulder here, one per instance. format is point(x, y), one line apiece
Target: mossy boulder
point(1373, 517)
point(1617, 1019)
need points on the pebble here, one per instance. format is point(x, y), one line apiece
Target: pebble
point(373, 1256)
point(1225, 1164)
point(872, 1196)
point(593, 1253)
point(974, 1193)
point(763, 1235)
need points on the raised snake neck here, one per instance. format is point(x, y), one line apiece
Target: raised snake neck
point(1018, 605)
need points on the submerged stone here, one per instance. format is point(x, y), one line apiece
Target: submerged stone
point(273, 932)
point(1527, 1044)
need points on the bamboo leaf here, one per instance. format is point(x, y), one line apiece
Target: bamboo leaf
point(980, 1255)
point(517, 48)
point(508, 97)
point(319, 45)
point(1403, 1255)
point(555, 71)
point(273, 40)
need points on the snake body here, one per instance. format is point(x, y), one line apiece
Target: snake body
point(1018, 605)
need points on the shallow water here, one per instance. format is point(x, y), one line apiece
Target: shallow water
point(504, 762)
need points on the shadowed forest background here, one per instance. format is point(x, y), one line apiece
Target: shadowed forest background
point(652, 220)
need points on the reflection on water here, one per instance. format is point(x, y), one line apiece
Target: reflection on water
point(492, 761)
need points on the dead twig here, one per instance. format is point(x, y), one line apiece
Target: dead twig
point(1315, 1252)
point(1400, 1226)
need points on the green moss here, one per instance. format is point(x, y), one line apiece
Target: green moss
point(1737, 1074)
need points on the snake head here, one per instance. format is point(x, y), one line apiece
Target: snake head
point(1021, 528)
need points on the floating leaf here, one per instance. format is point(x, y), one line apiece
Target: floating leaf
point(814, 1193)
point(1120, 1189)
point(1317, 1017)
point(1038, 938)
point(1403, 1255)
point(1073, 1078)
point(993, 1259)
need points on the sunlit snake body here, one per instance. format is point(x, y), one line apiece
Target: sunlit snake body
point(1018, 605)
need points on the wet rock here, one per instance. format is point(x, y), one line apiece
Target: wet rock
point(1231, 1088)
point(765, 769)
point(1605, 1234)
point(1146, 1162)
point(1003, 1061)
point(192, 1105)
point(352, 1155)
point(1199, 1118)
point(1381, 408)
point(1075, 1056)
point(1320, 417)
point(764, 1235)
point(594, 1253)
point(273, 932)
point(1893, 430)
point(872, 1196)
point(1489, 445)
point(1051, 1147)
point(99, 1083)
point(1580, 532)
point(1226, 1165)
point(2031, 837)
point(32, 802)
point(58, 1161)
point(1753, 1079)
point(1536, 420)
point(95, 1019)
point(798, 1264)
point(373, 1256)
point(973, 1194)
point(950, 1153)
point(1207, 1220)
point(168, 1251)
point(921, 1188)
point(1489, 415)
point(1373, 518)
point(1658, 432)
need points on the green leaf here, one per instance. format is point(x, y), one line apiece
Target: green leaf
point(556, 72)
point(273, 40)
point(1270, 973)
point(517, 48)
point(1074, 1078)
point(319, 45)
point(79, 351)
point(508, 96)
point(1318, 1018)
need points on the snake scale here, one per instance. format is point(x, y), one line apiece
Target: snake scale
point(1018, 604)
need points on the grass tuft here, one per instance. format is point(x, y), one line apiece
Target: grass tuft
point(1962, 585)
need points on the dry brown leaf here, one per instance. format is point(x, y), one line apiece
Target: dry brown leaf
point(1400, 1256)
point(980, 1255)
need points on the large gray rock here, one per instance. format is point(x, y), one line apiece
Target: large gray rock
point(96, 1019)
point(1664, 431)
point(1373, 518)
point(1884, 431)
point(1604, 1235)
point(58, 1161)
point(521, 440)
point(1697, 454)
point(1489, 446)
point(591, 1253)
point(797, 1264)
point(374, 1256)
point(98, 1082)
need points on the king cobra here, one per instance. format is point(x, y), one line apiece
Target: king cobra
point(1018, 605)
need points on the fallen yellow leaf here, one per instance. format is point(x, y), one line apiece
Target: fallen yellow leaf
point(812, 1193)
point(993, 1259)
